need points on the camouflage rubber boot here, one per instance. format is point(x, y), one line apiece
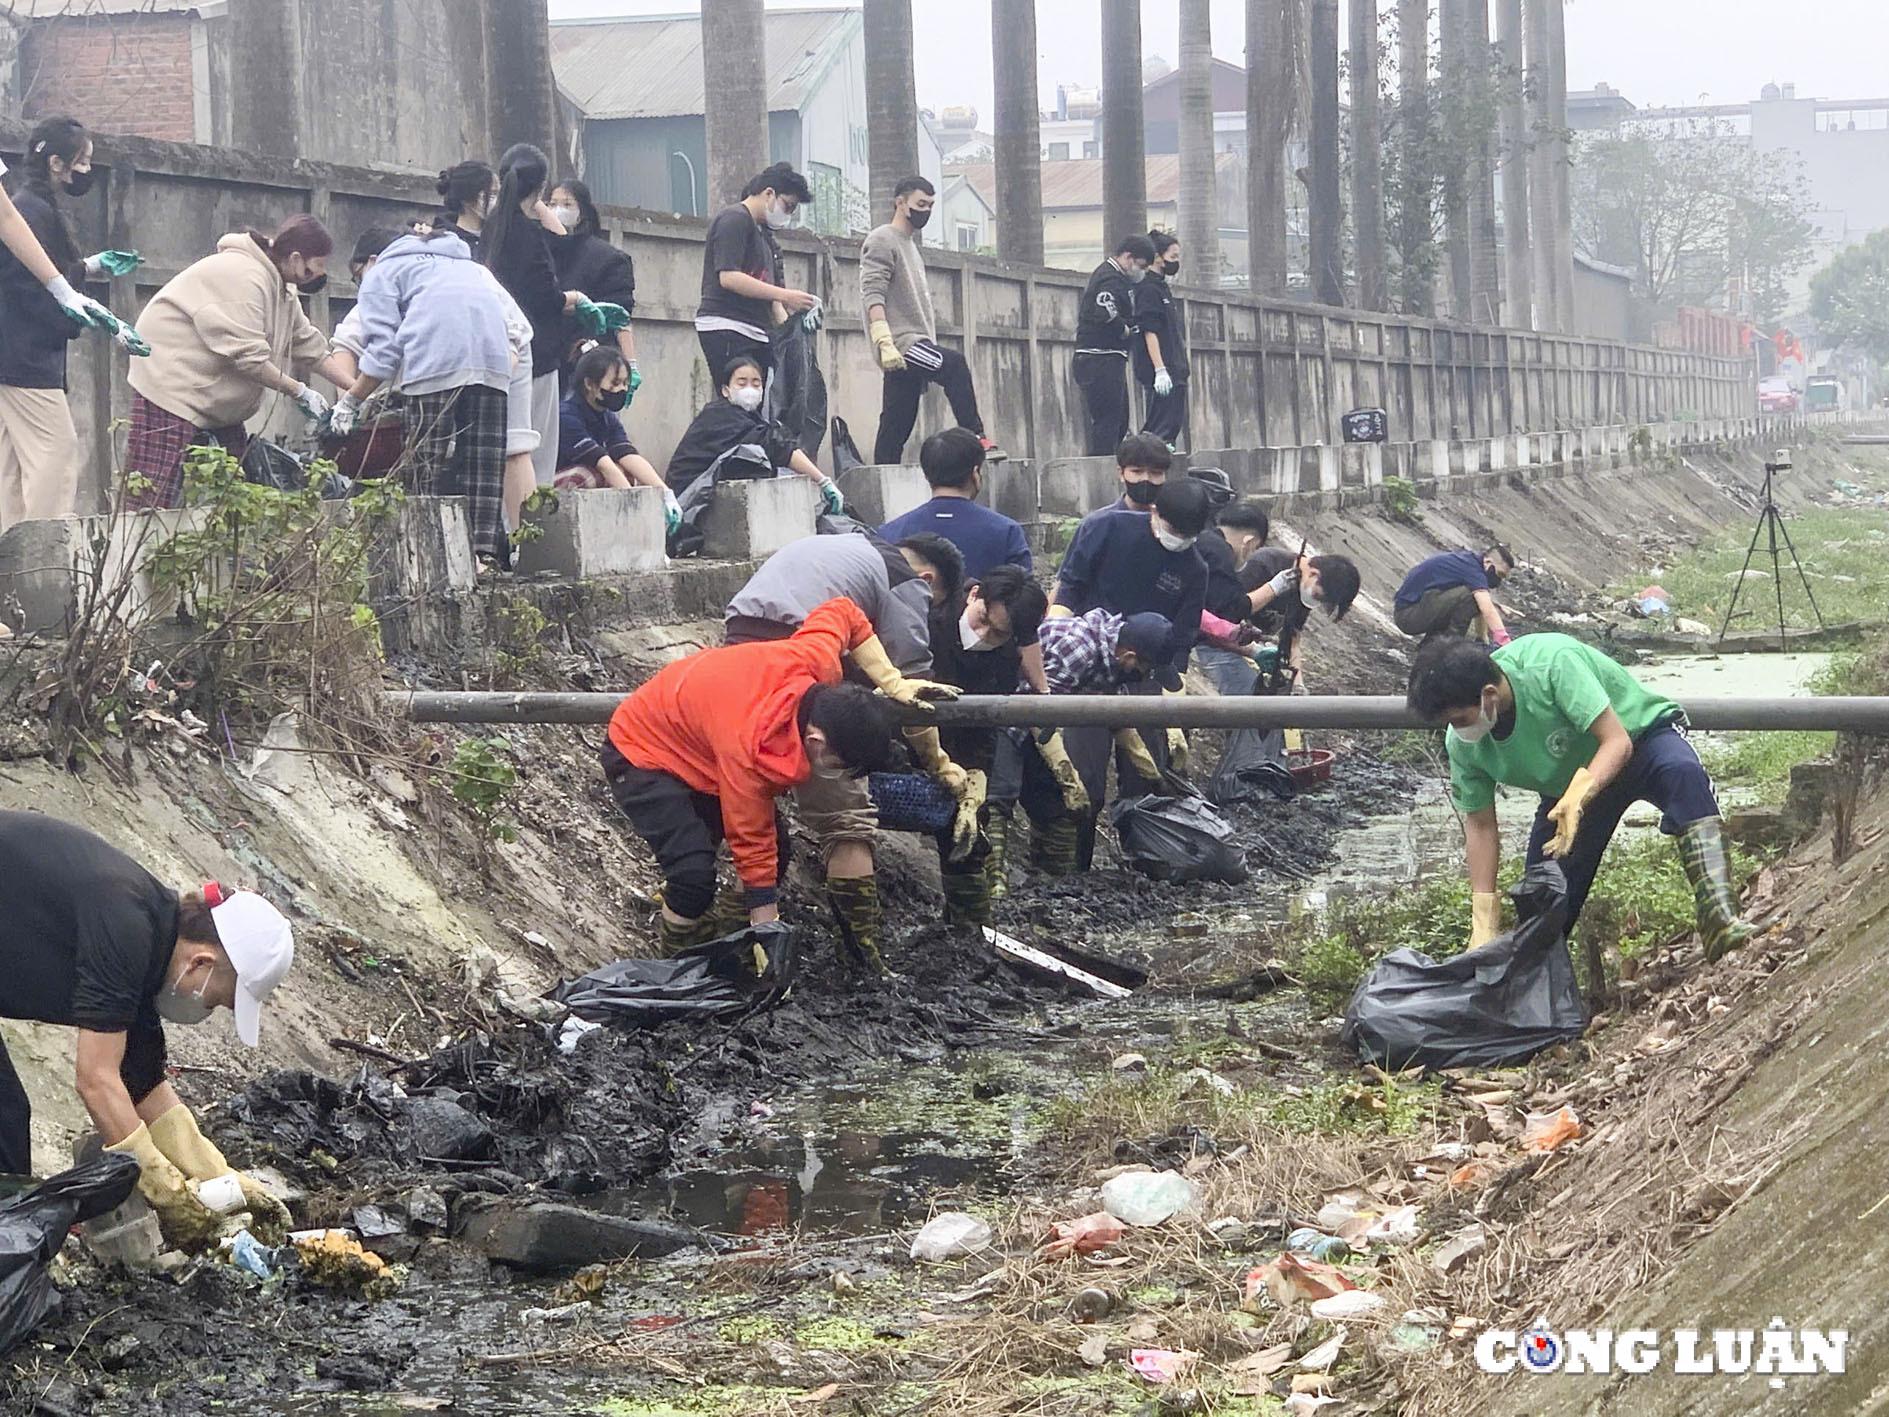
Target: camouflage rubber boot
point(729, 913)
point(856, 907)
point(997, 864)
point(967, 899)
point(672, 939)
point(1707, 859)
point(1054, 846)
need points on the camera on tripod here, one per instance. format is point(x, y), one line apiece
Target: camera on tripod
point(1780, 461)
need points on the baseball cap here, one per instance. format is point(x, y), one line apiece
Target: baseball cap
point(1219, 485)
point(261, 947)
point(1150, 636)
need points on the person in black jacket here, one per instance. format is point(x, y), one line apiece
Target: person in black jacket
point(516, 248)
point(1105, 330)
point(468, 195)
point(734, 418)
point(1160, 352)
point(589, 261)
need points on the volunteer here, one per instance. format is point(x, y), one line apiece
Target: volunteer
point(468, 192)
point(22, 243)
point(589, 261)
point(742, 274)
point(1227, 654)
point(1453, 591)
point(1282, 591)
point(95, 943)
point(734, 419)
point(1553, 716)
point(593, 449)
point(903, 328)
point(1105, 331)
point(700, 753)
point(1160, 349)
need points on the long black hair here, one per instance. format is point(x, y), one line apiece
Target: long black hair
point(62, 138)
point(463, 183)
point(521, 172)
point(589, 223)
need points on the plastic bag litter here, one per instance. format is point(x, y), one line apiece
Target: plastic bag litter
point(796, 390)
point(269, 464)
point(1143, 1198)
point(33, 1226)
point(1488, 1007)
point(947, 1236)
point(749, 969)
point(1180, 838)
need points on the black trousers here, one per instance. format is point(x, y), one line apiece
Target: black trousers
point(1103, 379)
point(925, 364)
point(1166, 417)
point(141, 1071)
point(720, 346)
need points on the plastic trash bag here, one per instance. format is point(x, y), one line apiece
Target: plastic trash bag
point(796, 390)
point(1179, 838)
point(721, 977)
point(271, 465)
point(1486, 1008)
point(846, 454)
point(33, 1226)
point(1252, 765)
point(911, 802)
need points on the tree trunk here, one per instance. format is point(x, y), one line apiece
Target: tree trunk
point(891, 102)
point(1268, 120)
point(1018, 132)
point(1414, 229)
point(1541, 181)
point(1124, 159)
point(1367, 158)
point(266, 94)
point(1200, 200)
point(1563, 195)
point(1517, 260)
point(734, 67)
point(1485, 279)
point(1454, 71)
point(521, 92)
point(1326, 266)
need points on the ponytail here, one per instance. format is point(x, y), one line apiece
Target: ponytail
point(62, 138)
point(522, 172)
point(465, 182)
point(299, 235)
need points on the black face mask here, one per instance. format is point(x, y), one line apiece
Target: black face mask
point(1142, 494)
point(78, 183)
point(615, 400)
point(1172, 266)
point(918, 218)
point(313, 286)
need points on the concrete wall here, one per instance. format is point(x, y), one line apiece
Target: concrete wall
point(1266, 375)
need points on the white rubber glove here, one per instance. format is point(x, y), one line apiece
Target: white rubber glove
point(311, 403)
point(671, 510)
point(1286, 580)
point(80, 308)
point(342, 416)
point(1163, 382)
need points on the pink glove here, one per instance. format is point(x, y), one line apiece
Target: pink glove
point(1501, 637)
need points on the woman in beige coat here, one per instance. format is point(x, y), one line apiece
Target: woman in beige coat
point(223, 332)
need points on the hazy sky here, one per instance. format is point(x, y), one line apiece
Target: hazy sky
point(1653, 51)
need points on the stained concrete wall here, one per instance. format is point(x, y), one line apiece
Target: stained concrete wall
point(1267, 375)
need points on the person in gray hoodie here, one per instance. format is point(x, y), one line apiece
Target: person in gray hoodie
point(434, 319)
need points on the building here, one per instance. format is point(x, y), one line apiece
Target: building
point(636, 87)
point(959, 138)
point(964, 218)
point(1161, 110)
point(1604, 307)
point(1598, 109)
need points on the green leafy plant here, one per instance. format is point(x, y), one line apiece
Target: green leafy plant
point(483, 777)
point(521, 659)
point(1400, 499)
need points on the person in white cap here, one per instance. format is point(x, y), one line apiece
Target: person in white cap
point(92, 941)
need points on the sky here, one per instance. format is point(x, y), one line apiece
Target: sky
point(1656, 52)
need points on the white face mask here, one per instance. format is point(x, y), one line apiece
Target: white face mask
point(1136, 274)
point(1480, 729)
point(1171, 539)
point(975, 641)
point(779, 217)
point(568, 217)
point(175, 1007)
point(748, 397)
point(1308, 597)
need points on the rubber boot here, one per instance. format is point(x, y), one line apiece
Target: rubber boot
point(672, 939)
point(729, 913)
point(1707, 859)
point(1054, 845)
point(997, 863)
point(856, 907)
point(967, 899)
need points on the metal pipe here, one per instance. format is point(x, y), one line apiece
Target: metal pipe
point(1858, 715)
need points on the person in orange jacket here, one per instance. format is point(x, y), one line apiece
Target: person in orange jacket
point(700, 753)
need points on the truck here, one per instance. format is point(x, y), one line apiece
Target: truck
point(1824, 393)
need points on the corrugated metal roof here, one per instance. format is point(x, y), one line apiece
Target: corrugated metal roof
point(80, 9)
point(652, 68)
point(1076, 183)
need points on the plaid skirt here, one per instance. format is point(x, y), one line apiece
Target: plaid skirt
point(456, 448)
point(155, 448)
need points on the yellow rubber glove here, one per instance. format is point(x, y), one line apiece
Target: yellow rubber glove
point(1139, 758)
point(1485, 917)
point(931, 757)
point(1056, 758)
point(191, 1152)
point(1177, 737)
point(964, 827)
point(913, 693)
point(880, 333)
point(187, 1222)
point(1566, 814)
point(1060, 612)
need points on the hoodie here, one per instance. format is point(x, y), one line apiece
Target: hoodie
point(433, 318)
point(212, 329)
point(726, 723)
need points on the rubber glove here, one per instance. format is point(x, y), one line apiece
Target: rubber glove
point(175, 1134)
point(1056, 759)
point(880, 333)
point(1139, 758)
point(636, 378)
point(1060, 612)
point(671, 511)
point(115, 263)
point(128, 339)
point(1501, 637)
point(311, 403)
point(1566, 814)
point(615, 317)
point(814, 318)
point(1485, 917)
point(1163, 382)
point(932, 758)
point(1266, 658)
point(830, 496)
point(876, 665)
point(1286, 580)
point(589, 317)
point(81, 309)
point(342, 416)
point(187, 1222)
point(964, 827)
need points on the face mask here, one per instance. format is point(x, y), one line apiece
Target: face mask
point(314, 285)
point(1307, 596)
point(568, 217)
point(614, 399)
point(1136, 274)
point(1170, 539)
point(1142, 494)
point(175, 1007)
point(778, 216)
point(1172, 267)
point(78, 183)
point(1480, 729)
point(918, 218)
point(748, 398)
point(975, 641)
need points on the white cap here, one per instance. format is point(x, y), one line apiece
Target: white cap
point(261, 946)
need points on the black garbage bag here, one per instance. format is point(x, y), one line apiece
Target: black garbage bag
point(1252, 765)
point(743, 462)
point(724, 976)
point(1178, 838)
point(33, 1226)
point(1489, 1007)
point(846, 455)
point(270, 464)
point(796, 390)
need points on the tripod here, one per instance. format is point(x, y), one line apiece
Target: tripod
point(1771, 525)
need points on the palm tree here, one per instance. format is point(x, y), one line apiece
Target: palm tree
point(1200, 205)
point(1367, 158)
point(1454, 71)
point(1269, 107)
point(521, 90)
point(1542, 214)
point(1414, 222)
point(1517, 259)
point(1018, 132)
point(734, 71)
point(891, 101)
point(1326, 264)
point(1124, 152)
point(1563, 195)
point(1484, 251)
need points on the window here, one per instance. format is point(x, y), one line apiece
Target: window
point(1058, 152)
point(1091, 150)
point(967, 236)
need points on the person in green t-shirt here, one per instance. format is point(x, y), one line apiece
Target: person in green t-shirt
point(1551, 715)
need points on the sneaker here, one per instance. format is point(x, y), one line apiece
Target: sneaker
point(992, 453)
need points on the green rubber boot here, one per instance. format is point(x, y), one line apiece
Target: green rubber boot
point(997, 864)
point(1707, 859)
point(672, 939)
point(1054, 846)
point(856, 907)
point(967, 899)
point(729, 913)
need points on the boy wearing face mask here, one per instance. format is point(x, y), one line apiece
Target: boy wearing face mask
point(1160, 351)
point(741, 270)
point(1105, 331)
point(95, 943)
point(896, 297)
point(1551, 715)
point(1282, 591)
